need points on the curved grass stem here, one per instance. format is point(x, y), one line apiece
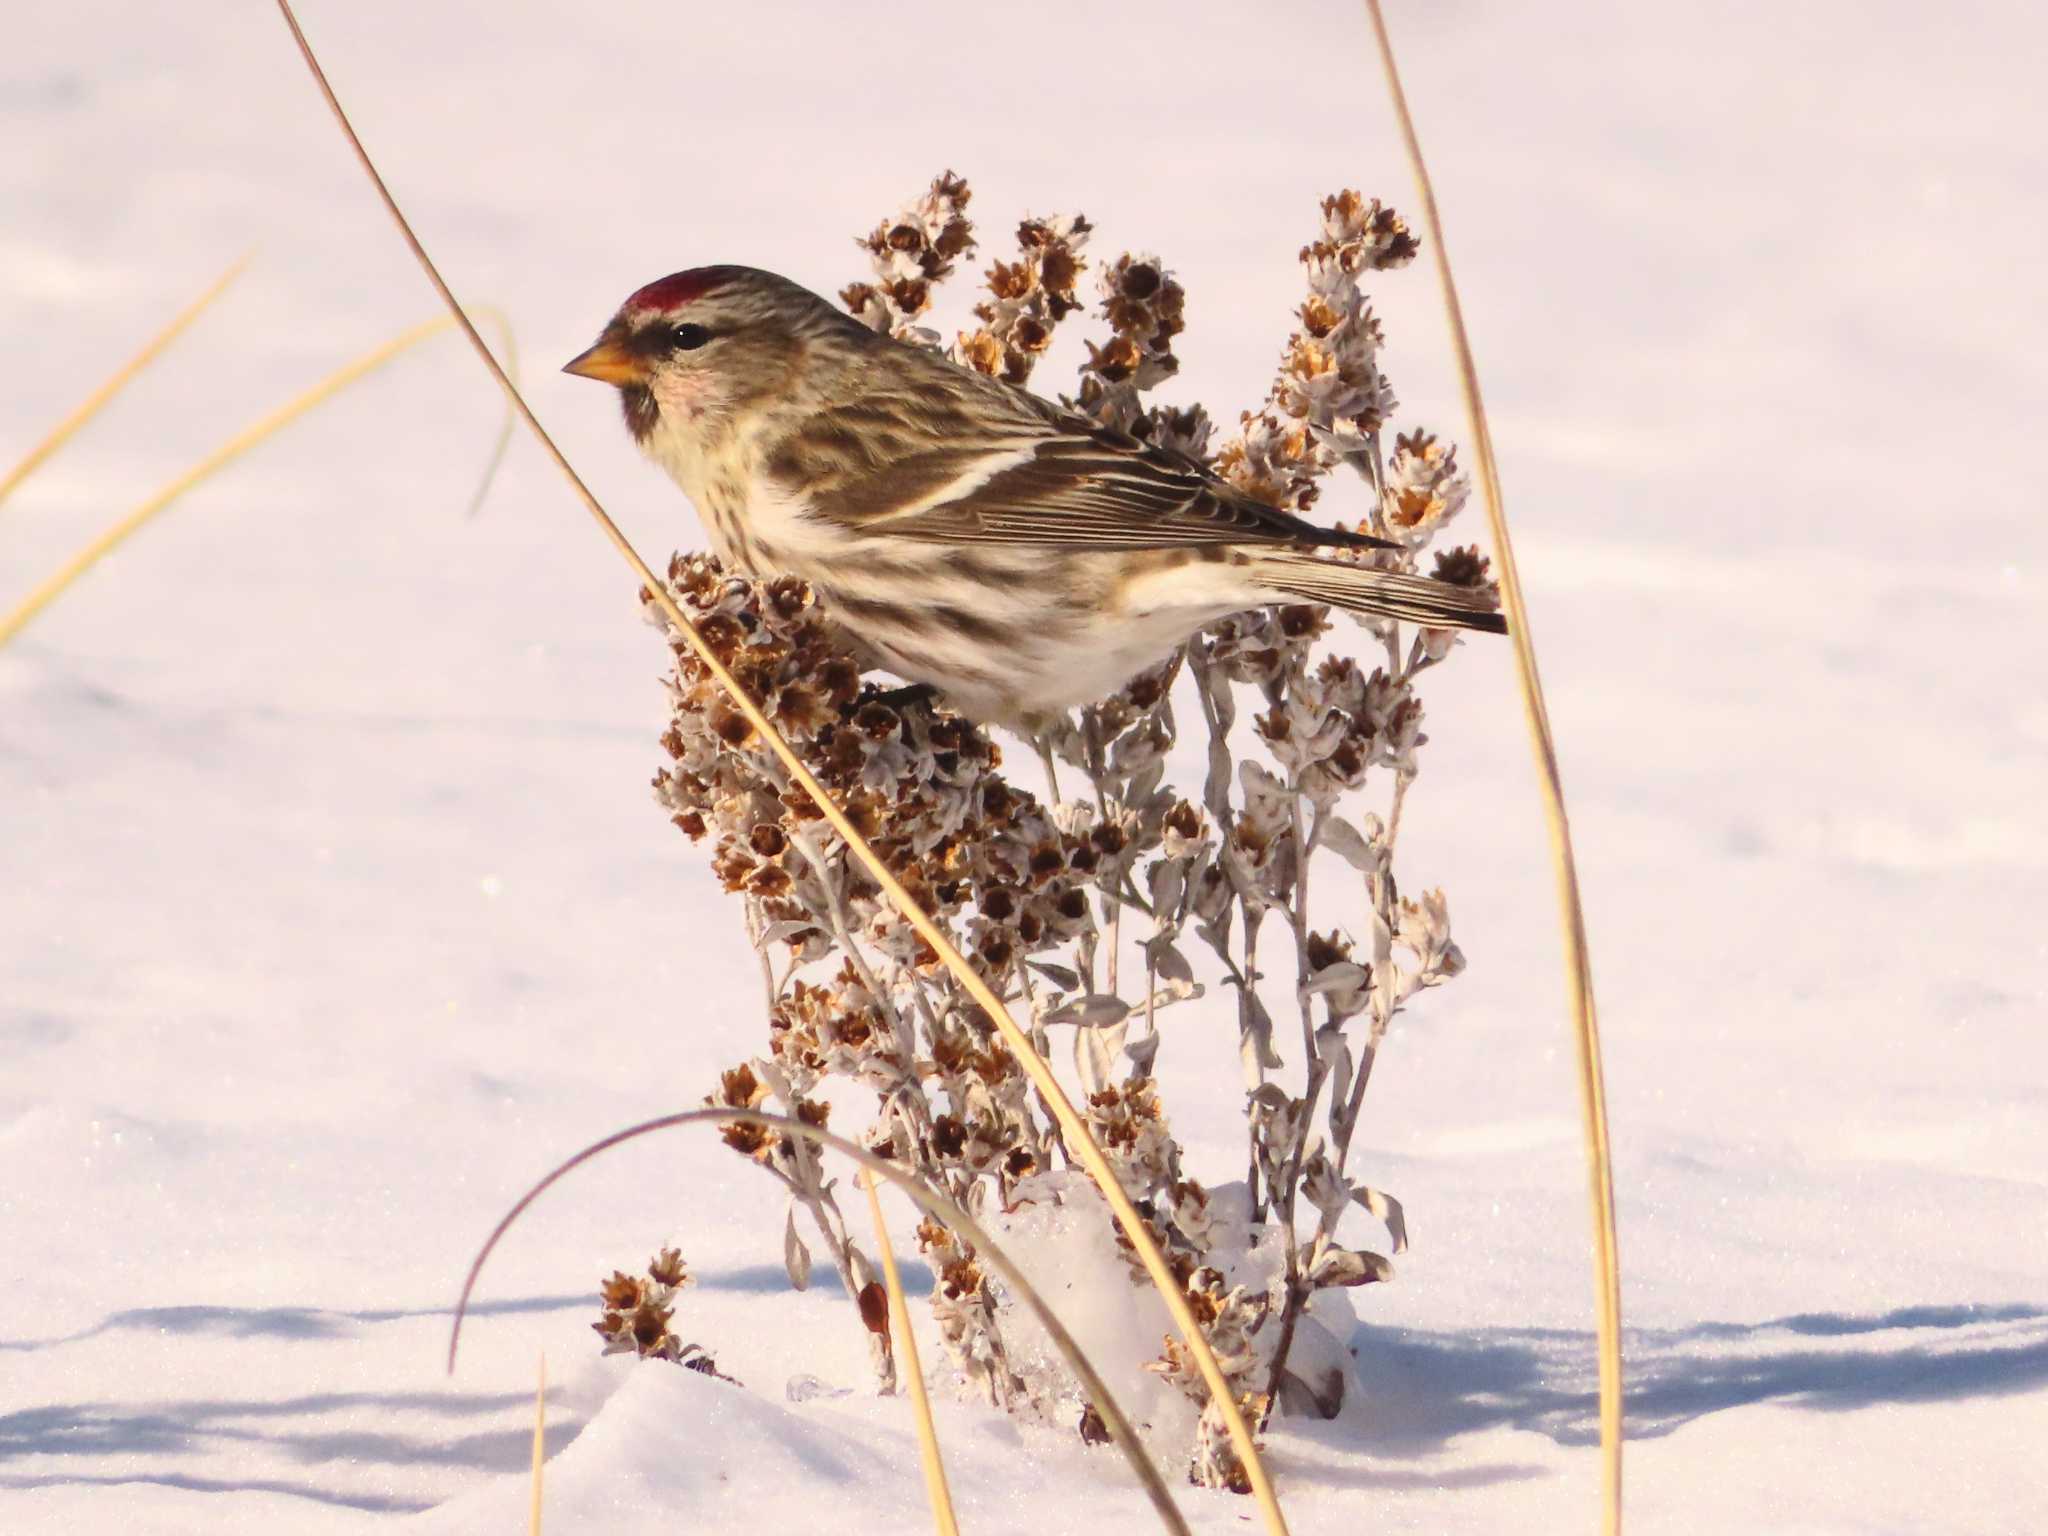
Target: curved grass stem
point(925, 1198)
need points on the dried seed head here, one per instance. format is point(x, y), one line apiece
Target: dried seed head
point(666, 1268)
point(910, 252)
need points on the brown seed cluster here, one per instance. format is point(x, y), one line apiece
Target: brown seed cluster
point(1329, 400)
point(1463, 567)
point(1145, 306)
point(1336, 723)
point(921, 784)
point(1360, 234)
point(1424, 487)
point(910, 253)
point(639, 1310)
point(1026, 299)
point(1017, 883)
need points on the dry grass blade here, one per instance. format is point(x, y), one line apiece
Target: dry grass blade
point(540, 1445)
point(926, 1199)
point(92, 404)
point(913, 1370)
point(1072, 1128)
point(117, 533)
point(503, 443)
point(1578, 960)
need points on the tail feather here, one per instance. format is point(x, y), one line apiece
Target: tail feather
point(1358, 589)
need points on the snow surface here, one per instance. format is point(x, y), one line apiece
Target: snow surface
point(334, 907)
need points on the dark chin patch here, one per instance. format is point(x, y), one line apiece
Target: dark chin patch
point(637, 400)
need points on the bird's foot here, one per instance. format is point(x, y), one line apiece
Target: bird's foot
point(909, 696)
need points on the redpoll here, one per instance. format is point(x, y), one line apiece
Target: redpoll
point(1017, 556)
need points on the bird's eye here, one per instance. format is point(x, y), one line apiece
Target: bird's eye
point(688, 338)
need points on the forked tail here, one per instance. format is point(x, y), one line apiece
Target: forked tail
point(1416, 598)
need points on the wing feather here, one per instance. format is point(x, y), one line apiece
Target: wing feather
point(958, 458)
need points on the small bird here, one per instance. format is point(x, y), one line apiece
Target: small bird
point(1018, 557)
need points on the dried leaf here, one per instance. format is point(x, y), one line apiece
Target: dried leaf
point(1095, 1057)
point(1348, 1266)
point(796, 1258)
point(1216, 790)
point(1063, 977)
point(1334, 1052)
point(1168, 881)
point(1216, 683)
point(1343, 976)
point(1270, 1098)
point(1168, 961)
point(1323, 1186)
point(1348, 843)
point(773, 1076)
point(1321, 1393)
point(1388, 1209)
point(1142, 788)
point(874, 1307)
point(1256, 1047)
point(1093, 1010)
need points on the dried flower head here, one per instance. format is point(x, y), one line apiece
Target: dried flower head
point(637, 1311)
point(1144, 305)
point(1027, 298)
point(910, 253)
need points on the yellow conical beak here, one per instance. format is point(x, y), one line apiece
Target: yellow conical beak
point(609, 363)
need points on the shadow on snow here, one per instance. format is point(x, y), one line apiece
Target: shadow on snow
point(1423, 1389)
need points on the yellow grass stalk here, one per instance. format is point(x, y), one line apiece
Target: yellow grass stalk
point(927, 1199)
point(899, 1320)
point(114, 535)
point(509, 346)
point(91, 405)
point(1578, 959)
point(1072, 1128)
point(540, 1445)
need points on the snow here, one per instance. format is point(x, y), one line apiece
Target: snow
point(334, 908)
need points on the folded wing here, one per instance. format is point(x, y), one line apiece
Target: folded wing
point(960, 459)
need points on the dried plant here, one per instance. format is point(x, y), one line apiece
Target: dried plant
point(1026, 299)
point(638, 1314)
point(911, 253)
point(1037, 892)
